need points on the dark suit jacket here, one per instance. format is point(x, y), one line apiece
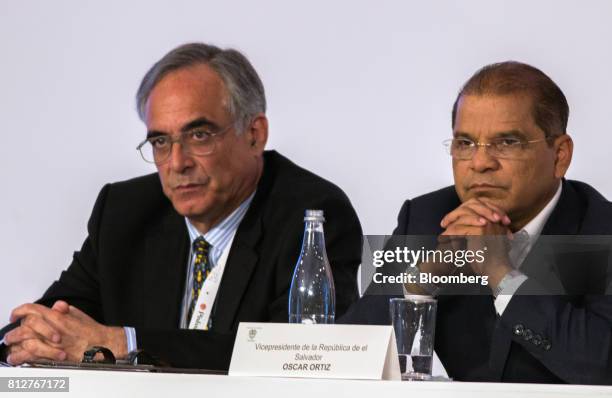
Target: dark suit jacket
point(132, 266)
point(474, 344)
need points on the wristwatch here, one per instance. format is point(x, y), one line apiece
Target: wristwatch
point(429, 288)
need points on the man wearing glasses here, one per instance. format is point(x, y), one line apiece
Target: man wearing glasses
point(510, 152)
point(176, 259)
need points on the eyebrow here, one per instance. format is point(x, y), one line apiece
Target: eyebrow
point(500, 134)
point(199, 122)
point(462, 134)
point(511, 134)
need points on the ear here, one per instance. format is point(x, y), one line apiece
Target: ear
point(564, 148)
point(257, 133)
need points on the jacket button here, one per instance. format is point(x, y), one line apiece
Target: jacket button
point(528, 334)
point(537, 340)
point(518, 330)
point(546, 345)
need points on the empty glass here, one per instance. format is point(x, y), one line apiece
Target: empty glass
point(414, 322)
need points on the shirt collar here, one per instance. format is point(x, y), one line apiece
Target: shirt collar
point(218, 236)
point(535, 226)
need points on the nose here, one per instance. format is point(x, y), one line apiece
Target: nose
point(179, 160)
point(482, 161)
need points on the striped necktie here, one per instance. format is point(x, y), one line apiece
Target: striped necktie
point(201, 270)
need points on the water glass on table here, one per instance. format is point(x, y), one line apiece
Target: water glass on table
point(414, 323)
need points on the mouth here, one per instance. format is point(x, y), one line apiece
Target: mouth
point(485, 189)
point(483, 186)
point(187, 188)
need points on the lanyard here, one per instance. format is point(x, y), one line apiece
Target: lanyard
point(210, 287)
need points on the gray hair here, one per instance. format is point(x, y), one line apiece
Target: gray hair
point(245, 91)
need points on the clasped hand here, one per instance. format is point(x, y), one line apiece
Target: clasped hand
point(60, 333)
point(474, 225)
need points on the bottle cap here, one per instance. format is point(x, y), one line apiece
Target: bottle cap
point(314, 215)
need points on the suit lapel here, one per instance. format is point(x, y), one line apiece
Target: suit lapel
point(240, 265)
point(566, 217)
point(244, 253)
point(166, 251)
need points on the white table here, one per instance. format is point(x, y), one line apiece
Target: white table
point(114, 384)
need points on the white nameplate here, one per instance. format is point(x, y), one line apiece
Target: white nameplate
point(318, 351)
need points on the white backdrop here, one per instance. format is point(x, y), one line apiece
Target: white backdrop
point(360, 92)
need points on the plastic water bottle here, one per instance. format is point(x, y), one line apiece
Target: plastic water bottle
point(312, 297)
